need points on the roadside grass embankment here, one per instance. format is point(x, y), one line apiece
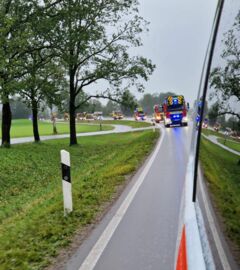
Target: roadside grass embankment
point(23, 128)
point(234, 145)
point(222, 172)
point(209, 132)
point(32, 226)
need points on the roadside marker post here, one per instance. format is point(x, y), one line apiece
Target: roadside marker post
point(154, 126)
point(66, 182)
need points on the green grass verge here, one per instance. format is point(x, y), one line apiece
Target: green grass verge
point(208, 132)
point(133, 124)
point(223, 175)
point(32, 226)
point(231, 144)
point(23, 128)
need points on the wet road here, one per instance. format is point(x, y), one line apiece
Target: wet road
point(145, 237)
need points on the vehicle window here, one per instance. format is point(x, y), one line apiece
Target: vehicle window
point(219, 151)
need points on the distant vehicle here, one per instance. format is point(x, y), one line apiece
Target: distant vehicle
point(158, 113)
point(117, 115)
point(66, 116)
point(139, 114)
point(89, 116)
point(216, 127)
point(175, 111)
point(81, 116)
point(205, 123)
point(198, 117)
point(98, 115)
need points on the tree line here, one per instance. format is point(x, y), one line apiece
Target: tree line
point(225, 81)
point(52, 50)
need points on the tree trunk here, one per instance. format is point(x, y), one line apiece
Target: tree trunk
point(54, 128)
point(35, 121)
point(6, 123)
point(53, 119)
point(72, 111)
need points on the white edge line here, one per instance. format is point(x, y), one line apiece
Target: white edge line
point(216, 237)
point(91, 260)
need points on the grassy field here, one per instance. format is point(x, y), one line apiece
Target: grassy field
point(23, 128)
point(222, 172)
point(231, 144)
point(218, 134)
point(208, 132)
point(133, 124)
point(32, 226)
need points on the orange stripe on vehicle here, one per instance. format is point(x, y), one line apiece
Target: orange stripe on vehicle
point(182, 252)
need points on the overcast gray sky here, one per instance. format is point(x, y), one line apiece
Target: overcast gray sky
point(176, 42)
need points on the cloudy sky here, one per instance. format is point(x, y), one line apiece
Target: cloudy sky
point(176, 42)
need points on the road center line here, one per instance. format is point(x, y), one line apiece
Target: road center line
point(91, 260)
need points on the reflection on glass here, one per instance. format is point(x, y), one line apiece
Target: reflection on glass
point(222, 108)
point(220, 143)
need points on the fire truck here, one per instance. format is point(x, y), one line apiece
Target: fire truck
point(117, 115)
point(175, 111)
point(139, 114)
point(158, 113)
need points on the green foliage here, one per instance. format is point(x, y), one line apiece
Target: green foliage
point(149, 100)
point(32, 226)
point(19, 109)
point(222, 173)
point(213, 113)
point(225, 79)
point(110, 107)
point(43, 80)
point(45, 43)
point(15, 17)
point(128, 103)
point(92, 41)
point(233, 123)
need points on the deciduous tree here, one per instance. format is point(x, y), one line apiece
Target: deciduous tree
point(92, 38)
point(225, 79)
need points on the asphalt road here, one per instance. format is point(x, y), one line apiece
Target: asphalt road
point(145, 237)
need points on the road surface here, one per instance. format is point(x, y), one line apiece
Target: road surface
point(142, 235)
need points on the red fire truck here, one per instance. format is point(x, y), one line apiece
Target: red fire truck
point(139, 114)
point(158, 113)
point(175, 111)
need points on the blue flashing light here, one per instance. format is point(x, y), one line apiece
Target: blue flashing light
point(176, 117)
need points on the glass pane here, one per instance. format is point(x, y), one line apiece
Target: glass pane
point(220, 136)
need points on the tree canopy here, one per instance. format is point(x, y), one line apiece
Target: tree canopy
point(77, 41)
point(225, 79)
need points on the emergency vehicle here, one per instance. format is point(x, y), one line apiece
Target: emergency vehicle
point(139, 114)
point(175, 111)
point(158, 113)
point(117, 115)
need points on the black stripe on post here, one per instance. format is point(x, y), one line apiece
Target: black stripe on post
point(66, 175)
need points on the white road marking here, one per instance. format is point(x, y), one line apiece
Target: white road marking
point(216, 237)
point(96, 252)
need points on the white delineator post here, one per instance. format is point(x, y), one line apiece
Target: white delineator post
point(66, 182)
point(154, 126)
